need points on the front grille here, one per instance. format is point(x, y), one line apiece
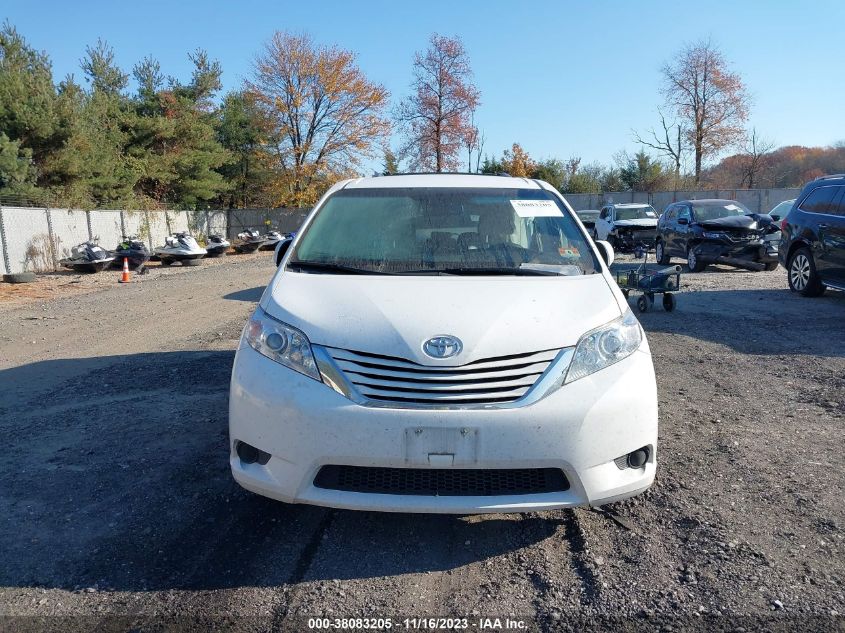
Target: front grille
point(452, 482)
point(486, 381)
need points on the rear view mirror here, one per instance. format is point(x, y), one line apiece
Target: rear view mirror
point(683, 221)
point(606, 251)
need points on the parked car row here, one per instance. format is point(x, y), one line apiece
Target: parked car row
point(805, 235)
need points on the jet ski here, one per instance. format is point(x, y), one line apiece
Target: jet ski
point(271, 238)
point(88, 257)
point(133, 249)
point(216, 245)
point(179, 247)
point(249, 241)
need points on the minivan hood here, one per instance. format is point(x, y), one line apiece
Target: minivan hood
point(395, 315)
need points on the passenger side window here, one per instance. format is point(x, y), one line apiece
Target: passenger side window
point(838, 207)
point(822, 200)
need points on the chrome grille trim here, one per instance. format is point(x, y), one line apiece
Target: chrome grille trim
point(385, 381)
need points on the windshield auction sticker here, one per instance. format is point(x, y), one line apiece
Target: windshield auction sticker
point(536, 208)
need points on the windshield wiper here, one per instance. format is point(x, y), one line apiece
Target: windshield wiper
point(480, 271)
point(330, 268)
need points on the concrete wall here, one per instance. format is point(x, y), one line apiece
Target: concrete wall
point(36, 239)
point(758, 200)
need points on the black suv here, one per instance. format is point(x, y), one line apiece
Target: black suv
point(812, 246)
point(717, 232)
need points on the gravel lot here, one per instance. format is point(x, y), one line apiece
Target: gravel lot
point(118, 503)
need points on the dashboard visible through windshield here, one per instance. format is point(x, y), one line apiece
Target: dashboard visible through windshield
point(460, 231)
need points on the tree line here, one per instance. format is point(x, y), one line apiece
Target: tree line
point(308, 116)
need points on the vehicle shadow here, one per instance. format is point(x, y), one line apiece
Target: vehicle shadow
point(118, 480)
point(754, 321)
point(248, 294)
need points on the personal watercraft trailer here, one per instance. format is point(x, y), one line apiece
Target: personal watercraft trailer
point(180, 247)
point(248, 241)
point(134, 250)
point(216, 245)
point(88, 257)
point(271, 239)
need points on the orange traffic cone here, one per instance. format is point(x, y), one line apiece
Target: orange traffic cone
point(124, 278)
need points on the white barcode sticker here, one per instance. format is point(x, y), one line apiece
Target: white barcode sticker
point(536, 208)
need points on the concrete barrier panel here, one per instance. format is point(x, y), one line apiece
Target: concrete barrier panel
point(70, 227)
point(158, 228)
point(27, 239)
point(106, 226)
point(135, 224)
point(216, 222)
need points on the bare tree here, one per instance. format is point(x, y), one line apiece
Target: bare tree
point(437, 115)
point(756, 151)
point(669, 142)
point(708, 99)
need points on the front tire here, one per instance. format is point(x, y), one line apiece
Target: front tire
point(771, 266)
point(802, 275)
point(660, 253)
point(693, 263)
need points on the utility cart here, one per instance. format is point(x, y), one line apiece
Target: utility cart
point(650, 282)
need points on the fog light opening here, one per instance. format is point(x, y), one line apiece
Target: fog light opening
point(248, 454)
point(638, 458)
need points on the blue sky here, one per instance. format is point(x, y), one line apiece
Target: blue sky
point(561, 78)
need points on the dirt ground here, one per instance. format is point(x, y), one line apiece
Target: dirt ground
point(118, 508)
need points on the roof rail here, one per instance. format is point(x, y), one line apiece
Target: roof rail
point(831, 176)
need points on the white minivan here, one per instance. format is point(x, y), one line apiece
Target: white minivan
point(443, 343)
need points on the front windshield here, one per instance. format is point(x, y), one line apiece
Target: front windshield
point(444, 230)
point(636, 213)
point(705, 211)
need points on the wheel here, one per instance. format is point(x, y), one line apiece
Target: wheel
point(802, 275)
point(19, 278)
point(166, 262)
point(668, 301)
point(192, 262)
point(642, 303)
point(660, 253)
point(693, 263)
point(771, 266)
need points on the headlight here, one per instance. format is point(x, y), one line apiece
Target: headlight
point(281, 343)
point(604, 346)
point(714, 235)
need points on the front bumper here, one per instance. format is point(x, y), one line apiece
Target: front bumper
point(735, 253)
point(581, 429)
point(629, 239)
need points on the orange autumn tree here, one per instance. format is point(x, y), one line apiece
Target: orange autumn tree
point(517, 162)
point(326, 116)
point(437, 116)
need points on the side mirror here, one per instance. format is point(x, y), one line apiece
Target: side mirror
point(683, 221)
point(282, 248)
point(606, 251)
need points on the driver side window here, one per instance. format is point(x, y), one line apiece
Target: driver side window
point(684, 213)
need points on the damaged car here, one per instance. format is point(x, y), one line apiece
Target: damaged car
point(627, 226)
point(717, 232)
